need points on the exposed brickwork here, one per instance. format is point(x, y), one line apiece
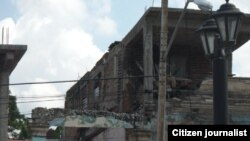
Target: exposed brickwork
point(126, 58)
point(101, 85)
point(187, 65)
point(43, 115)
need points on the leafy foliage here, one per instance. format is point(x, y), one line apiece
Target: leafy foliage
point(17, 121)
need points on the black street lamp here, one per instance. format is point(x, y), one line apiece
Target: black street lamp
point(228, 22)
point(208, 32)
point(217, 35)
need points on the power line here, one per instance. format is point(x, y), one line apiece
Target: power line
point(71, 81)
point(114, 93)
point(38, 101)
point(22, 97)
point(34, 97)
point(35, 101)
point(34, 83)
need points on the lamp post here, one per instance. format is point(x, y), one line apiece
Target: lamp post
point(218, 35)
point(227, 19)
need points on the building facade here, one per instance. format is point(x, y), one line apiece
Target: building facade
point(125, 79)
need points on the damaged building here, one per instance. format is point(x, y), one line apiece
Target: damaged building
point(125, 79)
point(41, 118)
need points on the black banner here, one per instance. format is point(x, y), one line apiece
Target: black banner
point(208, 132)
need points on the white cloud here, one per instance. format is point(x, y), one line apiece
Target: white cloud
point(242, 4)
point(7, 24)
point(241, 60)
point(101, 7)
point(41, 91)
point(106, 26)
point(59, 35)
point(103, 25)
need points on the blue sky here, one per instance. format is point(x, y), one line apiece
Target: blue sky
point(65, 38)
point(8, 9)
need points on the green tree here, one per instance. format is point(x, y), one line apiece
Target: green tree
point(13, 111)
point(16, 120)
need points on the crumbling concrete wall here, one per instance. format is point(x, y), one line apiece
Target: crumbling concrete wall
point(41, 118)
point(196, 107)
point(44, 115)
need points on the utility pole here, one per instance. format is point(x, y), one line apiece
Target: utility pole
point(162, 72)
point(4, 102)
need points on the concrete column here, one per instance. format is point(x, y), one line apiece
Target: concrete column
point(4, 105)
point(148, 66)
point(148, 57)
point(9, 57)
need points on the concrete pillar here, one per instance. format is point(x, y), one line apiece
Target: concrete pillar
point(9, 57)
point(148, 67)
point(4, 105)
point(148, 56)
